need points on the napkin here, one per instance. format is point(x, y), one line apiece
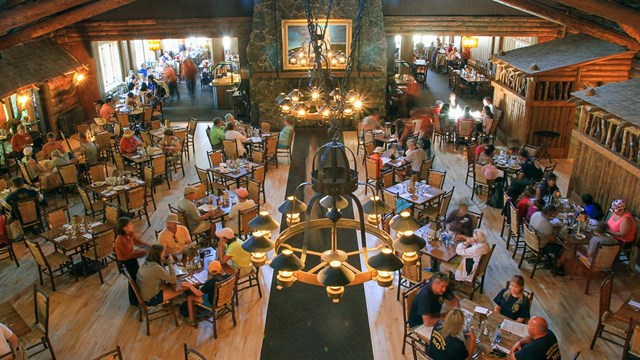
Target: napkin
point(87, 236)
point(60, 238)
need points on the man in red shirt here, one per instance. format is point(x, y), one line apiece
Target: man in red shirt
point(19, 141)
point(128, 144)
point(190, 73)
point(106, 112)
point(170, 77)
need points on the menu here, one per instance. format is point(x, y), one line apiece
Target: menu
point(515, 328)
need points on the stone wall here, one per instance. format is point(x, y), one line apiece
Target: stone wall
point(265, 55)
point(60, 94)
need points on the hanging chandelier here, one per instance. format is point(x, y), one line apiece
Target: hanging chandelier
point(334, 183)
point(319, 92)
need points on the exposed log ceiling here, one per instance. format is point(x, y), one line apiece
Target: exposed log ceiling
point(60, 21)
point(29, 13)
point(575, 23)
point(627, 17)
point(470, 25)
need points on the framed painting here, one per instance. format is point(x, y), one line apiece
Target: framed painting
point(295, 44)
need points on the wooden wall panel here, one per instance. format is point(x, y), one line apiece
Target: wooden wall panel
point(605, 175)
point(513, 125)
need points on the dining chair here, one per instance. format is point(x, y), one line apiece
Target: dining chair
point(372, 175)
point(123, 119)
point(265, 127)
point(101, 251)
point(476, 219)
point(506, 201)
point(436, 178)
point(147, 114)
point(148, 183)
point(192, 354)
point(39, 335)
point(548, 170)
point(632, 341)
point(221, 304)
point(603, 260)
point(258, 156)
point(184, 142)
point(98, 172)
point(515, 230)
point(103, 140)
point(471, 162)
point(531, 245)
point(419, 352)
point(272, 151)
point(82, 128)
point(469, 288)
point(200, 237)
point(192, 126)
point(230, 149)
point(135, 202)
point(111, 215)
point(151, 313)
point(69, 177)
point(146, 138)
point(411, 274)
point(49, 264)
point(369, 147)
point(8, 252)
point(608, 323)
point(244, 217)
point(215, 157)
point(438, 212)
point(286, 151)
point(56, 218)
point(258, 174)
point(28, 213)
point(159, 166)
point(409, 335)
point(92, 207)
point(26, 175)
point(248, 281)
point(426, 167)
point(480, 182)
point(115, 354)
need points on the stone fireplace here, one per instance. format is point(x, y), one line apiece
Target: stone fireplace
point(265, 55)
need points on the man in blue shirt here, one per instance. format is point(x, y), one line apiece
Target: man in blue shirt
point(592, 209)
point(540, 344)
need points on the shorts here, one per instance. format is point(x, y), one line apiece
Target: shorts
point(156, 300)
point(202, 227)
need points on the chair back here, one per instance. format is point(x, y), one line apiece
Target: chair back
point(123, 119)
point(444, 204)
point(531, 238)
point(223, 292)
point(203, 176)
point(136, 290)
point(605, 256)
point(180, 134)
point(98, 172)
point(111, 215)
point(146, 137)
point(368, 137)
point(259, 174)
point(369, 147)
point(103, 243)
point(390, 199)
point(426, 167)
point(387, 179)
point(419, 353)
point(3, 184)
point(114, 354)
point(230, 148)
point(254, 190)
point(155, 124)
point(272, 146)
point(244, 217)
point(201, 189)
point(548, 170)
point(119, 161)
point(159, 164)
point(407, 299)
point(117, 130)
point(25, 173)
point(58, 217)
point(371, 168)
point(148, 177)
point(258, 156)
point(471, 154)
point(37, 253)
point(135, 197)
point(515, 222)
point(412, 272)
point(215, 157)
point(465, 128)
point(181, 215)
point(632, 342)
point(41, 309)
point(28, 211)
point(103, 140)
point(494, 125)
point(192, 125)
point(478, 175)
point(40, 156)
point(192, 354)
point(82, 128)
point(85, 198)
point(265, 126)
point(482, 264)
point(68, 174)
point(436, 178)
point(148, 111)
point(606, 289)
point(476, 219)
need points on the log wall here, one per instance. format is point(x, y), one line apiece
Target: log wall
point(60, 95)
point(513, 125)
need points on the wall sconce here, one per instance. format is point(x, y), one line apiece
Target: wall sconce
point(470, 42)
point(79, 78)
point(23, 99)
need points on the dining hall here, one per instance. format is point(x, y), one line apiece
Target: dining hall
point(319, 179)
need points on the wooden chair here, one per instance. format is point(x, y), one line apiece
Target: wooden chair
point(419, 352)
point(152, 313)
point(69, 177)
point(222, 303)
point(372, 175)
point(146, 138)
point(439, 132)
point(603, 260)
point(117, 131)
point(184, 142)
point(82, 128)
point(286, 151)
point(607, 322)
point(265, 127)
point(26, 175)
point(93, 208)
point(259, 175)
point(632, 342)
point(230, 149)
point(103, 140)
point(439, 212)
point(121, 166)
point(215, 157)
point(39, 334)
point(49, 264)
point(98, 172)
point(254, 190)
point(494, 127)
point(532, 245)
point(135, 202)
point(464, 132)
point(247, 281)
point(111, 215)
point(158, 112)
point(114, 354)
point(192, 126)
point(155, 124)
point(506, 216)
point(58, 217)
point(471, 162)
point(272, 151)
point(369, 147)
point(192, 354)
point(425, 168)
point(410, 275)
point(244, 217)
point(207, 131)
point(7, 252)
point(480, 182)
point(101, 251)
point(201, 189)
point(477, 282)
point(148, 184)
point(177, 161)
point(159, 166)
point(476, 218)
point(548, 170)
point(147, 114)
point(436, 178)
point(515, 230)
point(28, 213)
point(123, 119)
point(408, 296)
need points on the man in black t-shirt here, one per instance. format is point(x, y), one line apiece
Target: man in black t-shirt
point(541, 344)
point(427, 305)
point(20, 193)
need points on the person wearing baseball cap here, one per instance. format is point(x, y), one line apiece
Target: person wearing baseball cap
point(377, 156)
point(231, 253)
point(621, 224)
point(196, 222)
point(175, 237)
point(243, 204)
point(128, 143)
point(204, 295)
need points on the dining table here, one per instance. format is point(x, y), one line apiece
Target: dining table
point(630, 309)
point(10, 317)
point(235, 172)
point(159, 132)
point(71, 241)
point(196, 274)
point(213, 202)
point(435, 248)
point(102, 189)
point(424, 194)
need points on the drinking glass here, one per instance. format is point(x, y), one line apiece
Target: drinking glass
point(477, 331)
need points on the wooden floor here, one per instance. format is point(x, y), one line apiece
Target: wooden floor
point(88, 318)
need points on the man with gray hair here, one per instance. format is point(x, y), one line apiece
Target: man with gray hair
point(229, 118)
point(426, 308)
point(541, 343)
point(415, 156)
point(469, 253)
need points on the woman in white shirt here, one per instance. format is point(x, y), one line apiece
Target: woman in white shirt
point(232, 134)
point(469, 253)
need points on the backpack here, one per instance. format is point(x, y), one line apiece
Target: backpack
point(497, 196)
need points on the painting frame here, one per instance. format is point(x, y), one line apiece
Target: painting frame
point(295, 31)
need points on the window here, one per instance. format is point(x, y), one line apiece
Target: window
point(398, 40)
point(110, 65)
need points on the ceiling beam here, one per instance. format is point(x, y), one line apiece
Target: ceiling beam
point(572, 23)
point(30, 13)
point(628, 18)
point(60, 22)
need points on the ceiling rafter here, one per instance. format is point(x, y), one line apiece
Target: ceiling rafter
point(29, 13)
point(627, 17)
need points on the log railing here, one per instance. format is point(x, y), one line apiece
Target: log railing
point(513, 79)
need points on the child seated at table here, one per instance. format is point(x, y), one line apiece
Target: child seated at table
point(204, 295)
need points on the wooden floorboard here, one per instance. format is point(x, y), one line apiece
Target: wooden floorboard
point(88, 318)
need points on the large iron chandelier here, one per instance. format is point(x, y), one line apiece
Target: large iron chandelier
point(334, 184)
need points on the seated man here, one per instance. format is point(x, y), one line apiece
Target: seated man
point(286, 133)
point(21, 193)
point(57, 159)
point(600, 236)
point(217, 133)
point(459, 220)
point(540, 222)
point(128, 143)
point(243, 204)
point(196, 223)
point(87, 150)
point(371, 122)
point(415, 156)
point(51, 145)
point(175, 238)
point(427, 306)
point(541, 343)
point(170, 144)
point(469, 253)
point(231, 253)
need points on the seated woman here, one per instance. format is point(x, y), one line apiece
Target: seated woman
point(204, 295)
point(447, 339)
point(170, 144)
point(469, 253)
point(47, 178)
point(459, 220)
point(547, 189)
point(286, 133)
point(487, 121)
point(524, 203)
point(156, 284)
point(621, 223)
point(512, 302)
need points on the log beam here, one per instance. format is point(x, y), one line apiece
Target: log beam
point(573, 23)
point(30, 13)
point(628, 18)
point(60, 21)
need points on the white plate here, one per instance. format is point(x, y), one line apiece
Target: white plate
point(119, 188)
point(98, 183)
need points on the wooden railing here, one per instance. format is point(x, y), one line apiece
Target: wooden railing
point(615, 134)
point(513, 79)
